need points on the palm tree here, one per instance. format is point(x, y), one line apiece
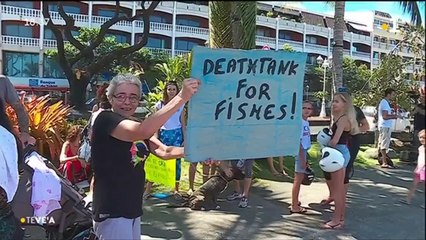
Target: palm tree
point(413, 9)
point(339, 26)
point(232, 24)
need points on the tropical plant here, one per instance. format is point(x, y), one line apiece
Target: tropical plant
point(175, 69)
point(288, 48)
point(339, 26)
point(155, 95)
point(86, 60)
point(391, 72)
point(48, 125)
point(413, 9)
point(232, 24)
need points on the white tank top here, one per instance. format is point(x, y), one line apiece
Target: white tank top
point(174, 121)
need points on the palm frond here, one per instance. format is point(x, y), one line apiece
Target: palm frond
point(412, 8)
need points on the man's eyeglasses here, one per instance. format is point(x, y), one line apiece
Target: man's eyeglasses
point(123, 97)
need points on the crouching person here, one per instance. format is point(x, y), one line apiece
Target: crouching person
point(246, 166)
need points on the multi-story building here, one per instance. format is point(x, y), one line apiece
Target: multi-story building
point(175, 28)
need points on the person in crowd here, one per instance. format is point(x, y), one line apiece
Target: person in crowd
point(172, 132)
point(11, 154)
point(8, 95)
point(419, 119)
point(301, 162)
point(344, 124)
point(119, 178)
point(74, 169)
point(208, 170)
point(246, 166)
point(385, 117)
point(281, 171)
point(102, 104)
point(354, 146)
point(419, 172)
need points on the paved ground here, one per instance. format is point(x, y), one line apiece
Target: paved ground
point(373, 213)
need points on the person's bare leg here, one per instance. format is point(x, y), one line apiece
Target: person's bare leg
point(206, 171)
point(281, 161)
point(148, 187)
point(271, 165)
point(247, 185)
point(177, 187)
point(384, 162)
point(192, 171)
point(338, 195)
point(237, 186)
point(329, 199)
point(298, 178)
point(412, 189)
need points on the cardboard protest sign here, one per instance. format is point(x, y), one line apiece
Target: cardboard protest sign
point(160, 171)
point(248, 106)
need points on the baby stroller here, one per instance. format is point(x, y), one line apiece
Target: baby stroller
point(70, 220)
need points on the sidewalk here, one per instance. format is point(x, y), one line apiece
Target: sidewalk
point(373, 212)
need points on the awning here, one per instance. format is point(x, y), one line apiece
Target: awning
point(360, 27)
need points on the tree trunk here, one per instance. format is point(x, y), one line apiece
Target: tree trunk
point(339, 26)
point(236, 25)
point(78, 92)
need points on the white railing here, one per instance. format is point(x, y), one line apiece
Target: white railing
point(361, 54)
point(20, 41)
point(18, 11)
point(191, 30)
point(268, 40)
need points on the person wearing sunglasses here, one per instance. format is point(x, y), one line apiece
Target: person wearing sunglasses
point(119, 174)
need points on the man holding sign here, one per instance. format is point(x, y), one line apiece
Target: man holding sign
point(249, 105)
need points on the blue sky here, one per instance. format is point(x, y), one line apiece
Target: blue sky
point(391, 7)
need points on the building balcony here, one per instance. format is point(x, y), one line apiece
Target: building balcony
point(12, 43)
point(35, 15)
point(363, 56)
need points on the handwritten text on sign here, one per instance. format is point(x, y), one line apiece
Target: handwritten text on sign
point(160, 171)
point(248, 106)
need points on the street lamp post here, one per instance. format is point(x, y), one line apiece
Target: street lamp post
point(325, 64)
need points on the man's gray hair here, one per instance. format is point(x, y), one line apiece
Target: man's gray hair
point(120, 79)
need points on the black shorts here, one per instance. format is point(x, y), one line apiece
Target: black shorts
point(353, 150)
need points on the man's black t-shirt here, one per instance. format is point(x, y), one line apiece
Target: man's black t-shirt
point(419, 117)
point(119, 181)
point(359, 115)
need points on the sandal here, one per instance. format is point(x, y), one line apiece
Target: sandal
point(333, 227)
point(301, 210)
point(326, 202)
point(177, 196)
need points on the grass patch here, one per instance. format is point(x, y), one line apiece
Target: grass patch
point(261, 168)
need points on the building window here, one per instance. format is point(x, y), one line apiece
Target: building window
point(159, 19)
point(51, 68)
point(18, 30)
point(18, 64)
point(48, 34)
point(260, 32)
point(375, 55)
point(383, 40)
point(311, 60)
point(187, 22)
point(311, 39)
point(67, 9)
point(155, 43)
point(23, 4)
point(376, 39)
point(284, 35)
point(185, 45)
point(119, 37)
point(392, 42)
point(105, 12)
